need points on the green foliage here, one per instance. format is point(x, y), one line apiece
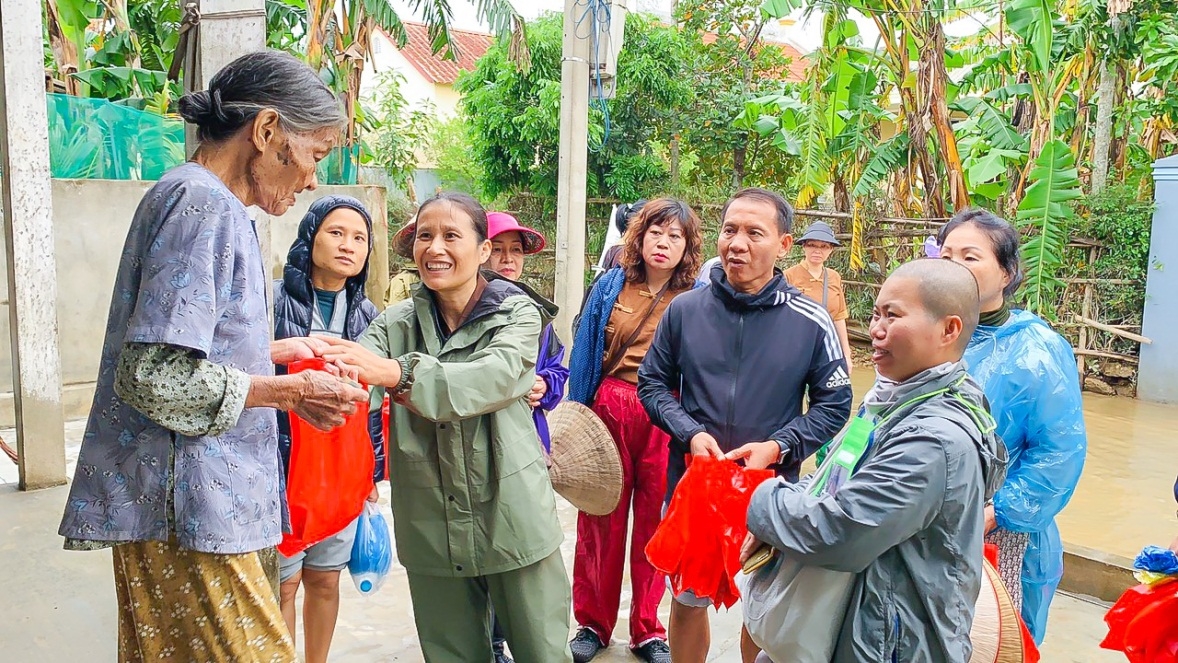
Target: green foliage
point(1032, 21)
point(286, 24)
point(514, 115)
point(1121, 222)
point(393, 133)
point(1044, 214)
point(724, 75)
point(891, 155)
point(451, 153)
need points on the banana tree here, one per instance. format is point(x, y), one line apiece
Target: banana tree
point(914, 48)
point(339, 37)
point(66, 23)
point(1044, 213)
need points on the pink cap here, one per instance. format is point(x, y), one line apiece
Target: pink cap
point(502, 222)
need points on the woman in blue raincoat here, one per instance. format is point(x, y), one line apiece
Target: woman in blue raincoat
point(1029, 375)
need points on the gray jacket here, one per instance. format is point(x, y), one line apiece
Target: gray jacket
point(909, 522)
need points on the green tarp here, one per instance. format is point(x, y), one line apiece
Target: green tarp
point(97, 139)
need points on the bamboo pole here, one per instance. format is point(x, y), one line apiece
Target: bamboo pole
point(1086, 311)
point(1102, 281)
point(1107, 355)
point(1113, 330)
point(877, 286)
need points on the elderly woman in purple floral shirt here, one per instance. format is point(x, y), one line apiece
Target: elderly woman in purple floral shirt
point(179, 466)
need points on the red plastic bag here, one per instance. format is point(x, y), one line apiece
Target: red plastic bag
point(330, 474)
point(698, 542)
point(1143, 623)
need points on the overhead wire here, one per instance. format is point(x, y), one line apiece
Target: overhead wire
point(597, 13)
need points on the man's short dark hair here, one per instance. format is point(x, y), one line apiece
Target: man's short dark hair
point(946, 288)
point(785, 213)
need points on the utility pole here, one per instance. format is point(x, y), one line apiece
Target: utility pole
point(593, 35)
point(574, 148)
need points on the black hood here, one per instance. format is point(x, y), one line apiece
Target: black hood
point(296, 275)
point(548, 309)
point(775, 293)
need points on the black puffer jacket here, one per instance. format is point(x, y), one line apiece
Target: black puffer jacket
point(294, 297)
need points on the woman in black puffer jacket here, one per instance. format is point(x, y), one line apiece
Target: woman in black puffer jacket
point(322, 294)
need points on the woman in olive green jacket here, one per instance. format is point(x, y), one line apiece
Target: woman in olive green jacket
point(473, 509)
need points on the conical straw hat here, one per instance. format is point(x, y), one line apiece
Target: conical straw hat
point(995, 634)
point(586, 469)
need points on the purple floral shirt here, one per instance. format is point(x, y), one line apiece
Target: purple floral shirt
point(191, 276)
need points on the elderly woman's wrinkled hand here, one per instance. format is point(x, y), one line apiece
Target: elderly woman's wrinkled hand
point(324, 400)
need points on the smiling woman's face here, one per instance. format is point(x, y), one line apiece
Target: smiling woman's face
point(447, 248)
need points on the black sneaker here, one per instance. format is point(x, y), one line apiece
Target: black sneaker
point(655, 651)
point(585, 646)
point(501, 657)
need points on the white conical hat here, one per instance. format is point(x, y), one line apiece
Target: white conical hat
point(586, 468)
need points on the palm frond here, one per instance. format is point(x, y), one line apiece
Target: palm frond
point(386, 18)
point(994, 124)
point(1043, 215)
point(890, 156)
point(437, 16)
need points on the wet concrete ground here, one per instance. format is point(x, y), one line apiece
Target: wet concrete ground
point(58, 607)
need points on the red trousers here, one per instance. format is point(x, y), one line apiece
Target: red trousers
point(601, 540)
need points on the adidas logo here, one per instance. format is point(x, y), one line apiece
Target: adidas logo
point(838, 379)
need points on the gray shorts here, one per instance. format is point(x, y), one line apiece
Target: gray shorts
point(330, 554)
point(688, 597)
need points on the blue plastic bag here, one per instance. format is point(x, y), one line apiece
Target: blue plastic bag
point(372, 551)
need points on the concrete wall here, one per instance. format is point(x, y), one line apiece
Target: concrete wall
point(1157, 374)
point(90, 219)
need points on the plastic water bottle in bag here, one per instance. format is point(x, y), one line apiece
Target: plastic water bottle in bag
point(372, 551)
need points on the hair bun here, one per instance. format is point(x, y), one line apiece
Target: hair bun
point(197, 107)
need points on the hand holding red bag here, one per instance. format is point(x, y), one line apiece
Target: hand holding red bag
point(330, 474)
point(1143, 623)
point(698, 542)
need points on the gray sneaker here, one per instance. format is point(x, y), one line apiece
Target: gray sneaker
point(585, 646)
point(655, 651)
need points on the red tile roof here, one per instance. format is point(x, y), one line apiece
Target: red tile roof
point(795, 70)
point(470, 45)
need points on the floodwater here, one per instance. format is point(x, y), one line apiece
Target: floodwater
point(1125, 499)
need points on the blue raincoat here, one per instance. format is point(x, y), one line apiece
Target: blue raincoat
point(1029, 375)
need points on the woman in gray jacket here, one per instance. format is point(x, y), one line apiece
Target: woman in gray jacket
point(908, 522)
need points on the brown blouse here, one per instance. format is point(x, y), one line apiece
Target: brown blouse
point(633, 302)
point(836, 302)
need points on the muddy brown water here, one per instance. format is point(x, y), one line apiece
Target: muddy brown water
point(1125, 498)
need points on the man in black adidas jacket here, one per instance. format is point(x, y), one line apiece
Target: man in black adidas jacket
point(741, 354)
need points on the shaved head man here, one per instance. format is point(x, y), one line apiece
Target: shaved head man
point(910, 514)
point(923, 316)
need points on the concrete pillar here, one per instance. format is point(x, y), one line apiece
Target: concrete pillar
point(28, 240)
point(574, 156)
point(1157, 374)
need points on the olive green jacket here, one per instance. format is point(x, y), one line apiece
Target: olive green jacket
point(470, 488)
point(401, 287)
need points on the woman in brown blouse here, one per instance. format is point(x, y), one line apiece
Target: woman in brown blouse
point(819, 282)
point(660, 259)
